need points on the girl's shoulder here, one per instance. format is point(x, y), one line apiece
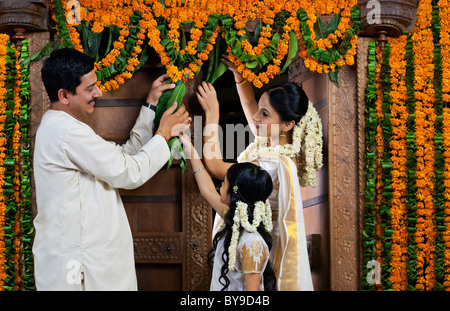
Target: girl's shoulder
point(252, 241)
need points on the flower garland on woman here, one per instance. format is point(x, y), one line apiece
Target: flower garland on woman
point(306, 147)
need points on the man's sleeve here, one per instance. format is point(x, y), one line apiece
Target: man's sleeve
point(88, 152)
point(141, 132)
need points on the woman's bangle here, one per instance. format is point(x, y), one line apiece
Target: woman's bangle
point(213, 141)
point(242, 82)
point(198, 170)
point(162, 134)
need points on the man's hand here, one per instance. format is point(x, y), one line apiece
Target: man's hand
point(158, 87)
point(173, 124)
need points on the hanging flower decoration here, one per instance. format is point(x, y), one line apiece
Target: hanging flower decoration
point(3, 74)
point(185, 33)
point(16, 230)
point(407, 226)
point(444, 216)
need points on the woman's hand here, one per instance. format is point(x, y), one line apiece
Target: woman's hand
point(231, 66)
point(188, 148)
point(207, 98)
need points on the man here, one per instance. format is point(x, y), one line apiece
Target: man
point(83, 239)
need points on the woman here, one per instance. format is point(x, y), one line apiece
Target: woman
point(278, 121)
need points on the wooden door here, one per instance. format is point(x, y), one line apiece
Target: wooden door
point(169, 220)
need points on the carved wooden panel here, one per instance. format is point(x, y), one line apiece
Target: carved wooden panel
point(167, 247)
point(344, 189)
point(39, 101)
point(197, 241)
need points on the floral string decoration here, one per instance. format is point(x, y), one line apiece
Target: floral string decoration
point(262, 214)
point(444, 11)
point(26, 226)
point(425, 118)
point(371, 123)
point(307, 144)
point(185, 34)
point(411, 215)
point(3, 47)
point(399, 117)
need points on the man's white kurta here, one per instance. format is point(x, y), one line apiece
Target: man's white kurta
point(82, 231)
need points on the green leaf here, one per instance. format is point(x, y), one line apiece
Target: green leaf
point(144, 57)
point(216, 67)
point(251, 64)
point(332, 26)
point(333, 75)
point(258, 30)
point(320, 28)
point(91, 40)
point(46, 50)
point(293, 48)
point(177, 94)
point(113, 35)
point(275, 40)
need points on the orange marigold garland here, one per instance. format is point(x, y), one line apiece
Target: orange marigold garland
point(3, 41)
point(15, 144)
point(446, 233)
point(444, 12)
point(379, 157)
point(398, 118)
point(425, 119)
point(182, 59)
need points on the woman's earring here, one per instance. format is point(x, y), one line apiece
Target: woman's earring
point(283, 133)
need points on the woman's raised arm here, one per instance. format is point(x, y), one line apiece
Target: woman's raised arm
point(245, 92)
point(212, 155)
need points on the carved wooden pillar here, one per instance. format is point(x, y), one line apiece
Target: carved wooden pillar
point(392, 17)
point(31, 15)
point(343, 187)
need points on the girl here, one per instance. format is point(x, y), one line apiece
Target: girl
point(241, 248)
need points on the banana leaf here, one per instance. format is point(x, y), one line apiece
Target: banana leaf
point(165, 101)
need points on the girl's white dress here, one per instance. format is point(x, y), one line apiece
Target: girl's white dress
point(252, 255)
point(289, 254)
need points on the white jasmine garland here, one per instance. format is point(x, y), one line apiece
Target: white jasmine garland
point(262, 213)
point(306, 146)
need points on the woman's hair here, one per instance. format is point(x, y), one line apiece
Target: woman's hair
point(254, 184)
point(289, 100)
point(63, 70)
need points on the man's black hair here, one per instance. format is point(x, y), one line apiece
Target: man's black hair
point(63, 70)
